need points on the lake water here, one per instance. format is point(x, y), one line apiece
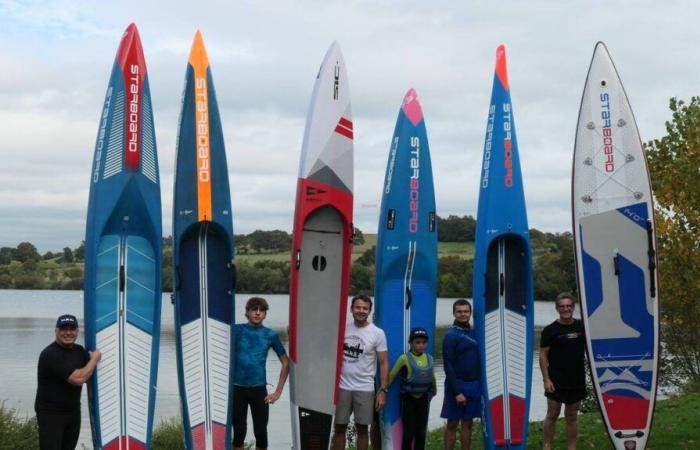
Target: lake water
point(27, 320)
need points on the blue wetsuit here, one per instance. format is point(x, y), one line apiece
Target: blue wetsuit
point(251, 345)
point(460, 354)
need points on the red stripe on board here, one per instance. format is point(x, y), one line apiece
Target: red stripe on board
point(626, 413)
point(219, 435)
point(344, 131)
point(496, 406)
point(345, 122)
point(199, 440)
point(517, 419)
point(123, 443)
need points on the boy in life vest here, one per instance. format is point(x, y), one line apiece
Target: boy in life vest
point(417, 389)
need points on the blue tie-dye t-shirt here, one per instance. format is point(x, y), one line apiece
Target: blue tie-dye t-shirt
point(251, 346)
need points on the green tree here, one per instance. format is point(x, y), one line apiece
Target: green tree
point(26, 251)
point(79, 252)
point(7, 254)
point(67, 256)
point(674, 161)
point(454, 277)
point(359, 238)
point(456, 229)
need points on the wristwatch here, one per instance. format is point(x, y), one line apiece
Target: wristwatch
point(383, 389)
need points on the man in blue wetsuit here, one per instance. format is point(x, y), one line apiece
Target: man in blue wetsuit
point(252, 341)
point(460, 354)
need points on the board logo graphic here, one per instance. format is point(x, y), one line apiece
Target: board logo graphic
point(487, 148)
point(101, 136)
point(414, 184)
point(133, 116)
point(507, 146)
point(202, 124)
point(607, 133)
point(336, 81)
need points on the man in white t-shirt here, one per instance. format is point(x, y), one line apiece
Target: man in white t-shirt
point(364, 344)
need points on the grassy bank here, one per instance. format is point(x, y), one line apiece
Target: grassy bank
point(675, 428)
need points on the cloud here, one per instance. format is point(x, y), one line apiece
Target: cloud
point(57, 56)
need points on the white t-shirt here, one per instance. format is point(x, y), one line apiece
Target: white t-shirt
point(360, 356)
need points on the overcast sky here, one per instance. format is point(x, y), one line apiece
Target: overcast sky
point(56, 57)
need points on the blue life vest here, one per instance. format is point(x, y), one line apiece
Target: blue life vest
point(421, 379)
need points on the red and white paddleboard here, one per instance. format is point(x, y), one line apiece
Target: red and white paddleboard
point(322, 246)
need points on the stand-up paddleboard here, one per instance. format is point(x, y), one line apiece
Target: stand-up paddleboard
point(203, 262)
point(406, 260)
point(503, 298)
point(615, 255)
point(123, 258)
point(321, 249)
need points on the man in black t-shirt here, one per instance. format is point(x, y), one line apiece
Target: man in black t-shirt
point(63, 368)
point(563, 371)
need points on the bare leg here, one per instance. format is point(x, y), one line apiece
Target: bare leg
point(450, 434)
point(550, 420)
point(466, 434)
point(571, 415)
point(362, 437)
point(375, 435)
point(339, 437)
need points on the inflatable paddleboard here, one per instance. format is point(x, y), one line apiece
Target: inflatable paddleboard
point(614, 233)
point(502, 284)
point(123, 243)
point(203, 267)
point(406, 258)
point(321, 250)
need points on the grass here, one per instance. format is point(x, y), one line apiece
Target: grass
point(675, 427)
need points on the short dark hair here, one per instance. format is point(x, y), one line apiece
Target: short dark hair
point(362, 297)
point(461, 302)
point(256, 303)
point(564, 295)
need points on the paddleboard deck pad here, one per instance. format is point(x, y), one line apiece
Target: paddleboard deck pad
point(321, 250)
point(615, 243)
point(502, 283)
point(123, 258)
point(203, 252)
point(406, 258)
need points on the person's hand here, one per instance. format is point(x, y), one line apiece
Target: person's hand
point(380, 400)
point(548, 386)
point(461, 399)
point(272, 398)
point(96, 355)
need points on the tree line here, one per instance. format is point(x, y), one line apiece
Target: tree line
point(24, 268)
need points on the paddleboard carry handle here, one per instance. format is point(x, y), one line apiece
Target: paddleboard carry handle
point(501, 283)
point(122, 278)
point(409, 297)
point(616, 263)
point(297, 259)
point(652, 259)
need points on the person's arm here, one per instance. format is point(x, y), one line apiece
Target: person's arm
point(383, 377)
point(447, 357)
point(400, 363)
point(544, 368)
point(272, 398)
point(80, 376)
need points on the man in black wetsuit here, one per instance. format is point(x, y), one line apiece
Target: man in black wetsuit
point(63, 368)
point(563, 371)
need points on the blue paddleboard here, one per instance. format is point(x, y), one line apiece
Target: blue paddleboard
point(123, 243)
point(406, 254)
point(203, 252)
point(503, 298)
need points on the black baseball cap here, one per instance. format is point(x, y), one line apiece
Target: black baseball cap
point(418, 332)
point(67, 320)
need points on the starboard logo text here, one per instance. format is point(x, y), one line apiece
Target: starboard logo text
point(507, 146)
point(202, 124)
point(101, 136)
point(133, 146)
point(607, 133)
point(414, 184)
point(487, 149)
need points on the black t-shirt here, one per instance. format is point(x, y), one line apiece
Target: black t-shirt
point(54, 392)
point(566, 352)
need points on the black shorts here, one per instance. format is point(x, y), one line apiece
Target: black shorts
point(567, 396)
